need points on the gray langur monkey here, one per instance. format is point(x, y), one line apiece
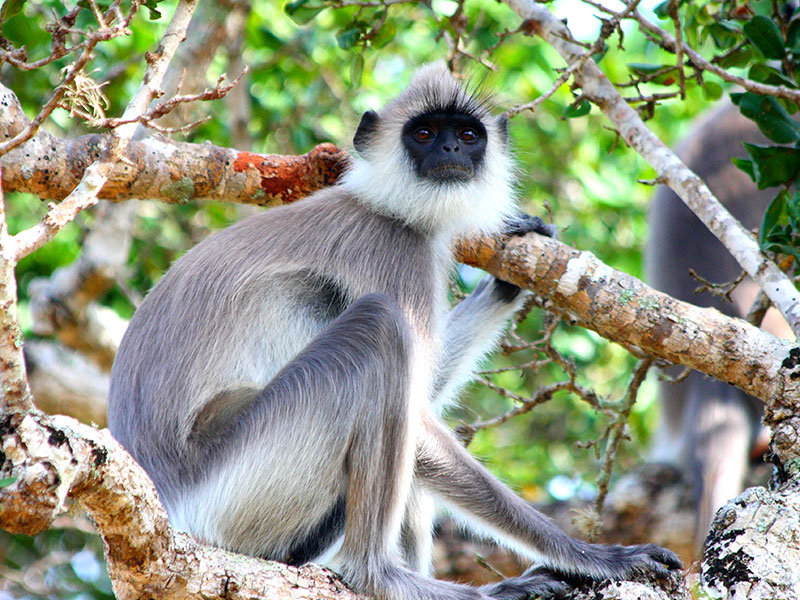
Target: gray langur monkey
point(282, 383)
point(708, 427)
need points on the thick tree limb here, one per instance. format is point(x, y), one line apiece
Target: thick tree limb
point(57, 460)
point(690, 188)
point(160, 169)
point(623, 309)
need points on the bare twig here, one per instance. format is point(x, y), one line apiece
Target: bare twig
point(85, 194)
point(618, 430)
point(93, 38)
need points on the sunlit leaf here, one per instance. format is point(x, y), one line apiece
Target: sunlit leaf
point(10, 8)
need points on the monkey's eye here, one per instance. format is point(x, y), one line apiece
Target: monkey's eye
point(423, 134)
point(468, 135)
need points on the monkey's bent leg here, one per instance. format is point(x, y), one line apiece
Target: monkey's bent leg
point(448, 470)
point(719, 429)
point(335, 425)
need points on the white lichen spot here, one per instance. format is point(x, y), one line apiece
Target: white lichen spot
point(576, 268)
point(162, 149)
point(602, 273)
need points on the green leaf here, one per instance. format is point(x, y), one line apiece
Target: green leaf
point(152, 6)
point(793, 36)
point(773, 166)
point(7, 481)
point(745, 165)
point(793, 212)
point(770, 116)
point(712, 90)
point(582, 109)
point(300, 13)
point(765, 35)
point(356, 70)
point(766, 74)
point(724, 33)
point(740, 58)
point(386, 34)
point(10, 8)
point(662, 10)
point(347, 38)
point(772, 217)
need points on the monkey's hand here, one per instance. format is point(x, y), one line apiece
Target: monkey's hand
point(520, 224)
point(523, 223)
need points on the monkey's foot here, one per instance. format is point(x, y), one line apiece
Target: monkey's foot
point(535, 582)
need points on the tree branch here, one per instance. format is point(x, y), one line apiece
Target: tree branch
point(623, 309)
point(689, 187)
point(57, 459)
point(160, 169)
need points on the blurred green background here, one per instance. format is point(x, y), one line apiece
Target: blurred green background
point(308, 84)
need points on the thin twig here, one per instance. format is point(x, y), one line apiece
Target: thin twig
point(618, 430)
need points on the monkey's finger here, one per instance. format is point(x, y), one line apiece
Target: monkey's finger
point(523, 223)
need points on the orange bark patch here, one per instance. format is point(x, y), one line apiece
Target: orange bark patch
point(289, 178)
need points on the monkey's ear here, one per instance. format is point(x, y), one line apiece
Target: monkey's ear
point(502, 125)
point(366, 128)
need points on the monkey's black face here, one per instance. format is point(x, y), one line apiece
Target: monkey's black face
point(445, 147)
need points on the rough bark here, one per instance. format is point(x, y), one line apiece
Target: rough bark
point(57, 460)
point(752, 551)
point(623, 309)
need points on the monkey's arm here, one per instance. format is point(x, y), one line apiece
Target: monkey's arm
point(446, 469)
point(474, 326)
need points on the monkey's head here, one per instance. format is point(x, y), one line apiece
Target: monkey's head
point(435, 157)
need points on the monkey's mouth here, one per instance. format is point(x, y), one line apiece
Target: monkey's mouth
point(450, 172)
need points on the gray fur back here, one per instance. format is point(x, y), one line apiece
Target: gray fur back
point(244, 288)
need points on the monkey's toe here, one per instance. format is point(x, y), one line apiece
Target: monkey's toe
point(536, 582)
